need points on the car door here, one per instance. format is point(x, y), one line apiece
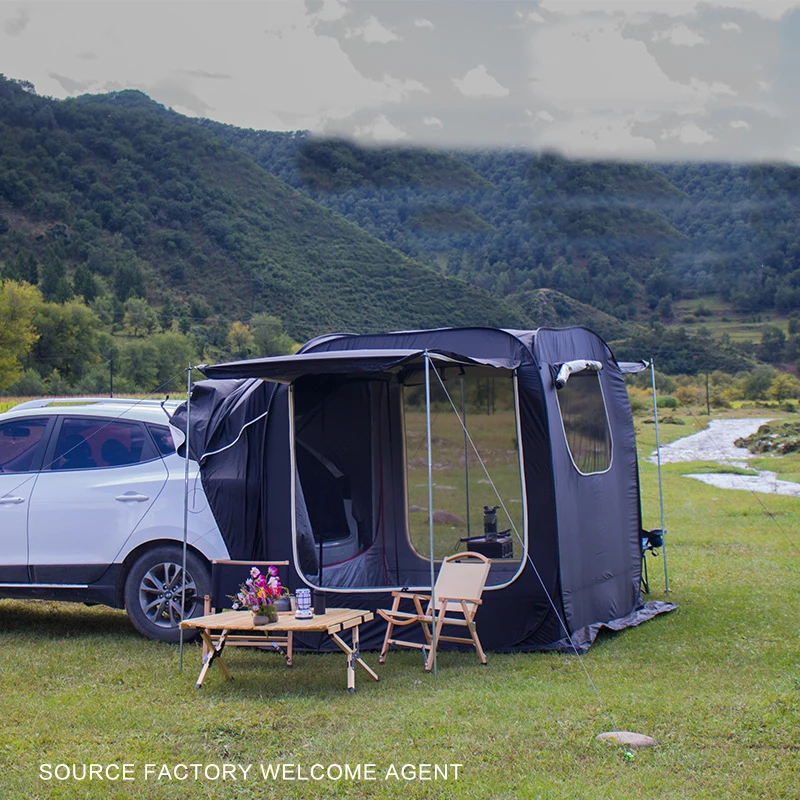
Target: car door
point(100, 478)
point(21, 445)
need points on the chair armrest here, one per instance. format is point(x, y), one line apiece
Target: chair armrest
point(400, 617)
point(411, 595)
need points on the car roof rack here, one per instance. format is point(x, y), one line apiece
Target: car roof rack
point(43, 402)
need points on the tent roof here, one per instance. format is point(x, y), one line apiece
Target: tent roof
point(286, 369)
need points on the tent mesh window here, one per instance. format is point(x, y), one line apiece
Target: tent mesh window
point(585, 421)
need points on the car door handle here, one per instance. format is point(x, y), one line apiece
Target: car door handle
point(7, 501)
point(131, 497)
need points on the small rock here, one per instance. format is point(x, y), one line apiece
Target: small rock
point(627, 738)
point(446, 516)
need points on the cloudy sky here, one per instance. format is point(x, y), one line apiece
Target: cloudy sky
point(669, 79)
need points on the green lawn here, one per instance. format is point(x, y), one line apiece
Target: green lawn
point(717, 683)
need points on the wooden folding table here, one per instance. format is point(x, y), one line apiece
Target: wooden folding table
point(334, 622)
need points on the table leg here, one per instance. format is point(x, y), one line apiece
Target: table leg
point(214, 654)
point(358, 658)
point(353, 658)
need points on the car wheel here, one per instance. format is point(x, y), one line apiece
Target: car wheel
point(154, 590)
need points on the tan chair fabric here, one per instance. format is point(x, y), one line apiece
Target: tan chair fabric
point(457, 592)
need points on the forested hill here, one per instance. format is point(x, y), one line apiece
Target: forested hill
point(114, 196)
point(629, 239)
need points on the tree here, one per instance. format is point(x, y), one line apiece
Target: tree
point(108, 309)
point(139, 366)
point(18, 305)
point(53, 278)
point(129, 279)
point(755, 384)
point(240, 340)
point(773, 340)
point(84, 283)
point(785, 387)
point(269, 337)
point(174, 352)
point(139, 316)
point(68, 339)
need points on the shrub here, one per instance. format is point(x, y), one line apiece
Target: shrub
point(667, 401)
point(640, 400)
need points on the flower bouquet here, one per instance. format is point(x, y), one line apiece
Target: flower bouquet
point(258, 594)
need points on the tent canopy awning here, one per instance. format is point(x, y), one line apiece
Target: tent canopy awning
point(632, 367)
point(287, 369)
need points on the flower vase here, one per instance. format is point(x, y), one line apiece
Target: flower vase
point(265, 616)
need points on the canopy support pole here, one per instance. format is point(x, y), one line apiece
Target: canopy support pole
point(185, 506)
point(660, 486)
point(430, 501)
point(466, 451)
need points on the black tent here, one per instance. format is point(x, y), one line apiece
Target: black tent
point(308, 458)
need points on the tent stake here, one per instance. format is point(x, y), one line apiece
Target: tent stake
point(430, 500)
point(660, 486)
point(185, 507)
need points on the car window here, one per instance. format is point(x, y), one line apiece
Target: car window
point(19, 440)
point(93, 443)
point(163, 439)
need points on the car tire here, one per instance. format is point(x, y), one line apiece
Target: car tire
point(153, 592)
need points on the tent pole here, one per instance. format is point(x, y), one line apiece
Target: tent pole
point(185, 506)
point(430, 501)
point(466, 451)
point(660, 486)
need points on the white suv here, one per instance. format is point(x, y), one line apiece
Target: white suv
point(92, 510)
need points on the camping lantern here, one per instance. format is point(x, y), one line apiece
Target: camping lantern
point(303, 604)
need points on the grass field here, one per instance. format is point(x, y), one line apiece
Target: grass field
point(717, 683)
point(720, 318)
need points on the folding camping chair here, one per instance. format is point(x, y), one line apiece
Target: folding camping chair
point(226, 577)
point(458, 591)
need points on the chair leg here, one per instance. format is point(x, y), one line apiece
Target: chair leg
point(474, 634)
point(385, 648)
point(434, 641)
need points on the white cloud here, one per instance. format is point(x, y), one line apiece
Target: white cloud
point(680, 36)
point(689, 133)
point(396, 90)
point(770, 9)
point(731, 26)
point(544, 116)
point(381, 130)
point(332, 10)
point(285, 74)
point(424, 23)
point(579, 7)
point(740, 124)
point(373, 32)
point(596, 135)
point(589, 64)
point(479, 83)
point(433, 122)
point(532, 16)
